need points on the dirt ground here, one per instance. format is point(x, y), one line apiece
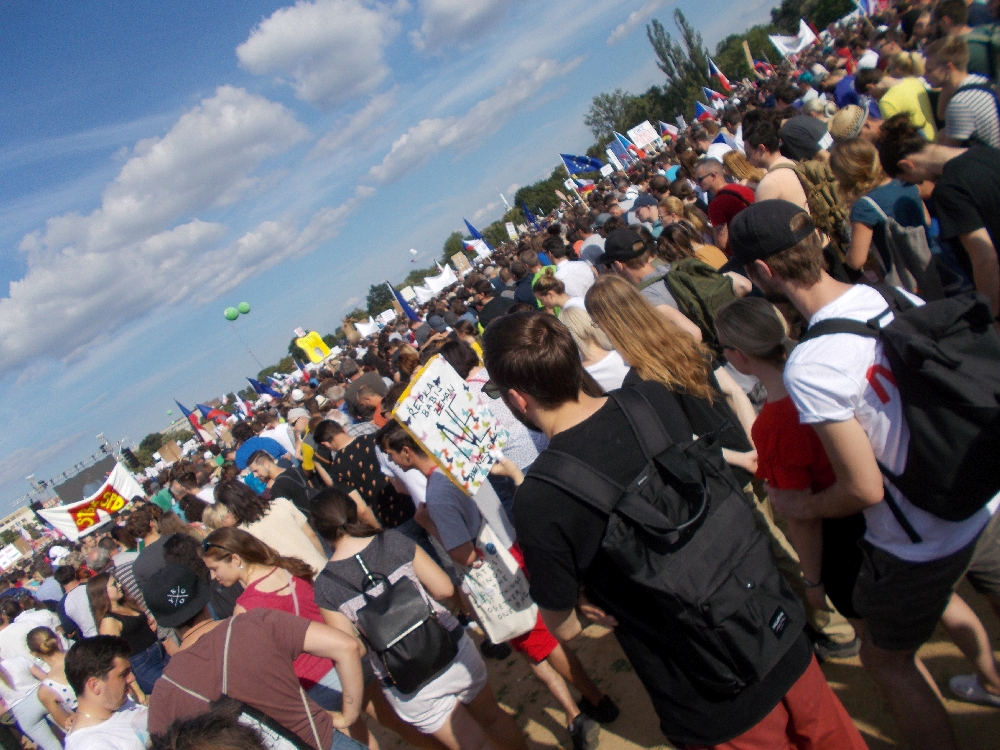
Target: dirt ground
point(977, 727)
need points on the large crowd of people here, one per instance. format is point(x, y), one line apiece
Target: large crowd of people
point(703, 456)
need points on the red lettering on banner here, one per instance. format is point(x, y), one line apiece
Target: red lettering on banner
point(108, 500)
point(872, 376)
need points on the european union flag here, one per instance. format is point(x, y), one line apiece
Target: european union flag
point(529, 217)
point(580, 164)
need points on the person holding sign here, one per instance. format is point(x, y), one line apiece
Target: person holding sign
point(459, 521)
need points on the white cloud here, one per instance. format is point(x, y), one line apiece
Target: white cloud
point(485, 211)
point(635, 18)
point(455, 22)
point(328, 50)
point(511, 189)
point(143, 248)
point(358, 130)
point(464, 134)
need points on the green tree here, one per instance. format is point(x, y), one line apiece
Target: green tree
point(452, 245)
point(417, 275)
point(247, 394)
point(541, 196)
point(357, 314)
point(496, 233)
point(684, 63)
point(285, 365)
point(8, 536)
point(785, 18)
point(607, 114)
point(379, 299)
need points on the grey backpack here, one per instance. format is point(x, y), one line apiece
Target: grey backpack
point(904, 257)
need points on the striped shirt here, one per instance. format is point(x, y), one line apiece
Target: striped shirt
point(973, 113)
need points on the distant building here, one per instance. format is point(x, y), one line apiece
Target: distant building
point(19, 519)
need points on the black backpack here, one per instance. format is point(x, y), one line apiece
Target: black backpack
point(401, 629)
point(945, 359)
point(683, 532)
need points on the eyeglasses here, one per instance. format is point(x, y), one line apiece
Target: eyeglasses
point(491, 390)
point(704, 177)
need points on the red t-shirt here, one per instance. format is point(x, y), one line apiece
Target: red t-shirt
point(789, 454)
point(308, 668)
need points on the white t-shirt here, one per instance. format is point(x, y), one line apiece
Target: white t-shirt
point(282, 434)
point(414, 480)
point(575, 302)
point(610, 372)
point(78, 609)
point(576, 275)
point(834, 378)
point(125, 730)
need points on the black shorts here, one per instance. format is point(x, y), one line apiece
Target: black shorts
point(902, 602)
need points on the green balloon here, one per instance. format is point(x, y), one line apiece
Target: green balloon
point(231, 313)
point(169, 412)
point(244, 307)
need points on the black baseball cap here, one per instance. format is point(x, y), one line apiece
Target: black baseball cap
point(621, 245)
point(763, 229)
point(175, 594)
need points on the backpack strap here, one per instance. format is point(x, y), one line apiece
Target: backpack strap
point(871, 329)
point(587, 484)
point(877, 207)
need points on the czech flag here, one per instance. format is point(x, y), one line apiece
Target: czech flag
point(668, 129)
point(711, 94)
point(637, 153)
point(192, 419)
point(584, 186)
point(702, 113)
point(713, 70)
point(216, 415)
point(477, 236)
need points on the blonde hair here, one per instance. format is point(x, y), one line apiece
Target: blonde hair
point(672, 205)
point(754, 326)
point(856, 166)
point(214, 515)
point(740, 167)
point(583, 329)
point(906, 64)
point(655, 347)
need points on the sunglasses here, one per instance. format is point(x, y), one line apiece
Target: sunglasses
point(491, 390)
point(207, 545)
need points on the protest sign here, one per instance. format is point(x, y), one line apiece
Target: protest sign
point(607, 170)
point(461, 263)
point(448, 419)
point(9, 555)
point(80, 518)
point(643, 134)
point(407, 293)
point(511, 231)
point(792, 45)
point(314, 346)
point(386, 317)
point(569, 185)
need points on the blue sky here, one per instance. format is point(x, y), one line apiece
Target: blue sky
point(162, 161)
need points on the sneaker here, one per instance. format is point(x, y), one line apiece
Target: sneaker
point(498, 651)
point(967, 687)
point(585, 733)
point(604, 712)
point(825, 649)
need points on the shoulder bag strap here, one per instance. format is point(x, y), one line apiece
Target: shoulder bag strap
point(312, 722)
point(295, 595)
point(225, 656)
point(642, 418)
point(190, 692)
point(337, 579)
point(877, 207)
point(578, 479)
